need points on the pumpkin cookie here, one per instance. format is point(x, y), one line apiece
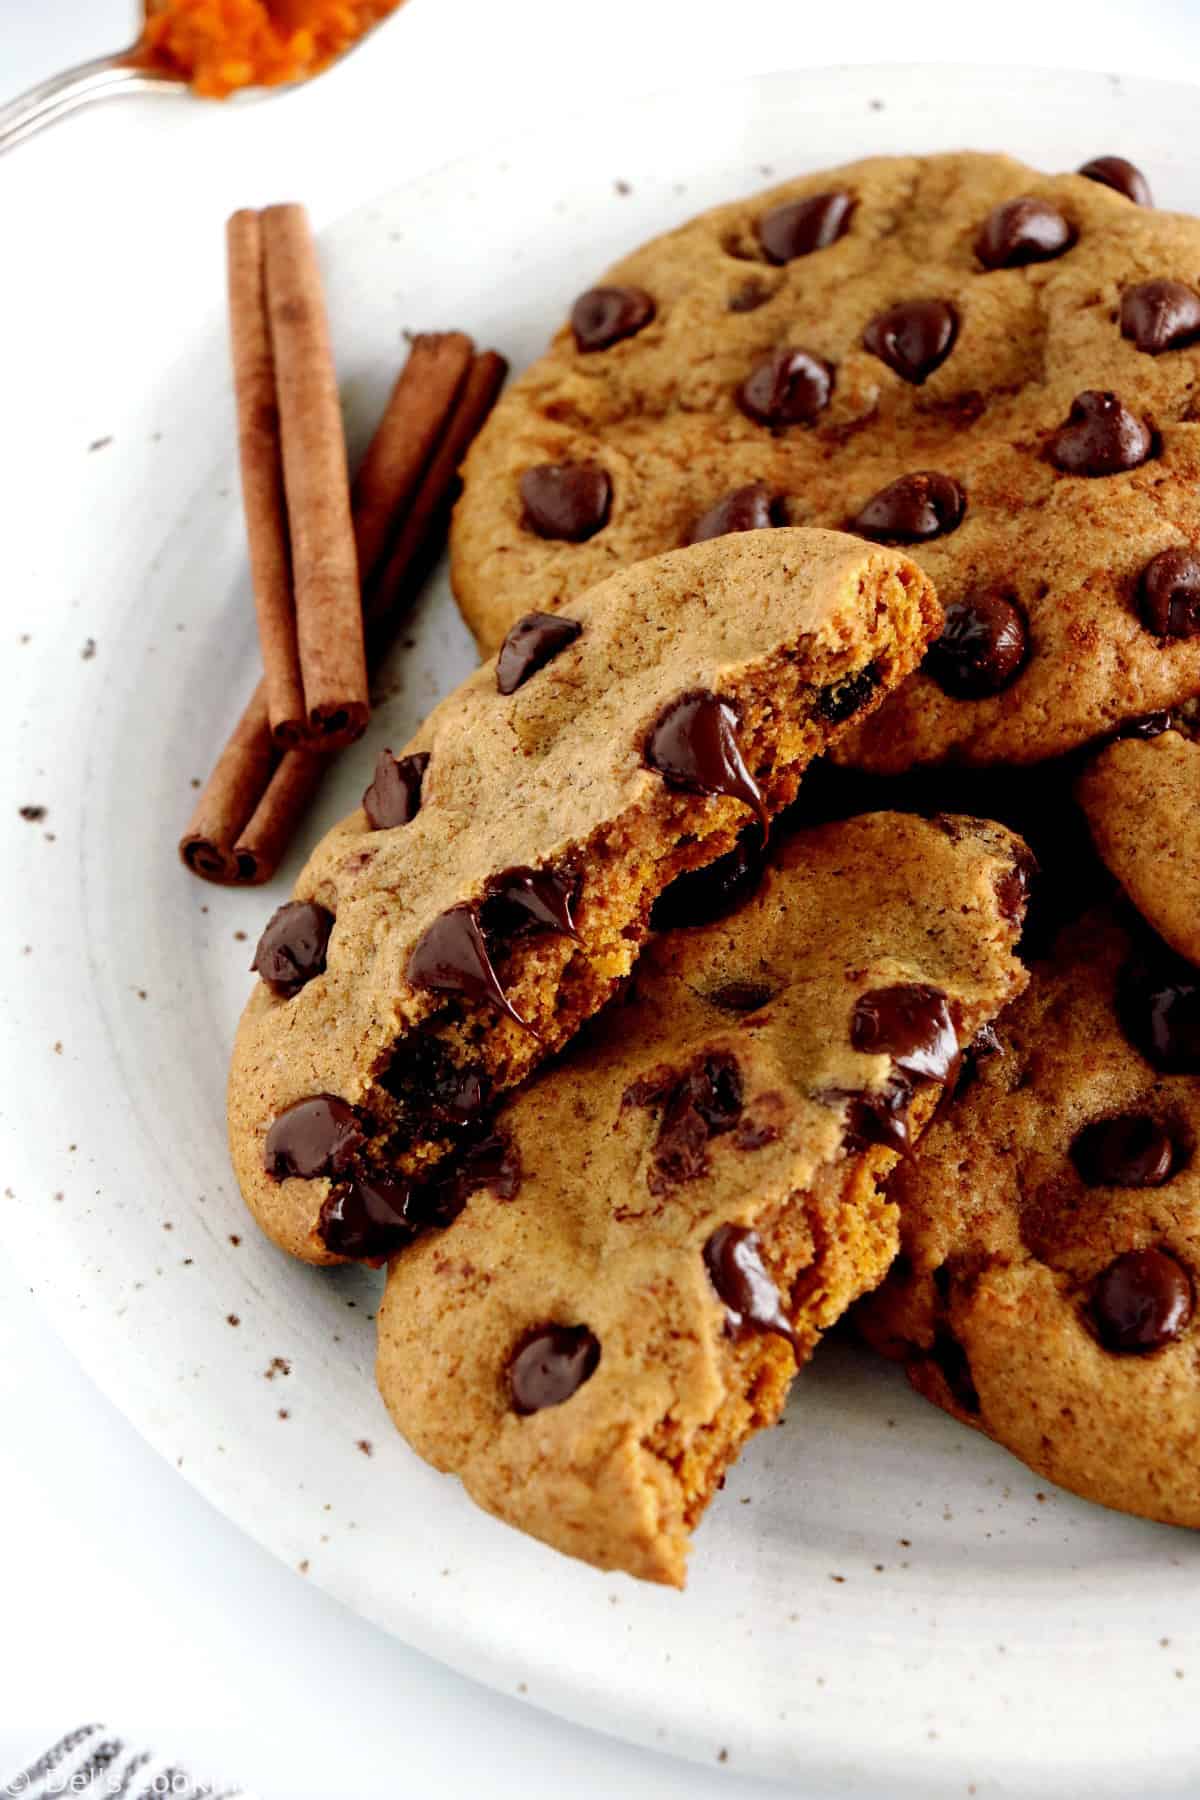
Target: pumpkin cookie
point(696, 1191)
point(497, 884)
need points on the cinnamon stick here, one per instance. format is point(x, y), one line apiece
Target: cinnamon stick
point(260, 455)
point(420, 535)
point(413, 420)
point(260, 844)
point(329, 629)
point(231, 794)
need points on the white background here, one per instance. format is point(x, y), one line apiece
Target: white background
point(122, 1594)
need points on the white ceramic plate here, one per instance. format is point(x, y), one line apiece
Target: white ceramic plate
point(880, 1602)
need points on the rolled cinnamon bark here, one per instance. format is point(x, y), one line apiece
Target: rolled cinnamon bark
point(231, 794)
point(261, 461)
point(264, 838)
point(419, 538)
point(329, 629)
point(413, 420)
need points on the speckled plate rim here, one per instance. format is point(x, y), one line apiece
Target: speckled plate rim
point(880, 1602)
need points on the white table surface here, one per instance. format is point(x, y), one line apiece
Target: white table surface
point(123, 1595)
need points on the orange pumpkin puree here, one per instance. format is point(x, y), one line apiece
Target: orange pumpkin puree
point(219, 46)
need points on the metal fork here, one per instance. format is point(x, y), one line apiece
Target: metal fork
point(63, 94)
point(92, 1762)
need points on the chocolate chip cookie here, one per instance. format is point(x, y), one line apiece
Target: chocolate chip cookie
point(995, 368)
point(497, 883)
point(1050, 1230)
point(695, 1193)
point(1142, 801)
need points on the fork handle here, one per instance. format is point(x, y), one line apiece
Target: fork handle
point(66, 93)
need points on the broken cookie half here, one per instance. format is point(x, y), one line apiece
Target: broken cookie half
point(695, 1192)
point(497, 884)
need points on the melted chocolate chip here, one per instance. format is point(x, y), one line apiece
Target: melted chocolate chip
point(1149, 725)
point(1160, 315)
point(519, 901)
point(701, 1104)
point(699, 896)
point(431, 1088)
point(1100, 437)
point(492, 1162)
point(951, 1359)
point(1131, 1151)
point(982, 1047)
point(912, 510)
point(733, 1258)
point(367, 1218)
point(1142, 1301)
point(550, 1365)
point(752, 294)
point(789, 387)
point(319, 1136)
point(536, 639)
point(741, 996)
point(605, 315)
point(754, 507)
point(571, 501)
point(394, 796)
point(292, 948)
point(1169, 593)
point(913, 338)
point(799, 227)
point(451, 957)
point(694, 746)
point(1158, 1003)
point(982, 648)
point(877, 1117)
point(911, 1023)
point(753, 1134)
point(1022, 231)
point(1013, 884)
point(842, 699)
point(1124, 177)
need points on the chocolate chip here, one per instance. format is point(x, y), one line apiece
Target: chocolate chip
point(913, 337)
point(1142, 1301)
point(550, 1365)
point(1149, 725)
point(842, 699)
point(531, 643)
point(703, 1102)
point(751, 1134)
point(982, 647)
point(605, 315)
point(982, 1047)
point(292, 948)
point(1022, 231)
point(566, 500)
point(394, 796)
point(741, 996)
point(733, 1258)
point(950, 1357)
point(911, 1023)
point(789, 387)
point(877, 1117)
point(491, 1162)
point(912, 510)
point(1012, 884)
point(320, 1136)
point(519, 901)
point(1169, 593)
point(799, 227)
point(1132, 1151)
point(1160, 315)
point(367, 1217)
point(431, 1088)
point(699, 896)
point(693, 745)
point(752, 294)
point(1158, 1004)
point(754, 507)
point(451, 957)
point(1100, 437)
point(1124, 177)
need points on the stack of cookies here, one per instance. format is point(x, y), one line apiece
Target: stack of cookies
point(662, 1003)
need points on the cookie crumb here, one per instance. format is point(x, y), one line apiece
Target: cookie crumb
point(622, 187)
point(100, 443)
point(283, 1413)
point(302, 1565)
point(365, 1445)
point(89, 650)
point(232, 1319)
point(278, 1365)
point(34, 814)
point(838, 1578)
point(722, 1756)
point(234, 1239)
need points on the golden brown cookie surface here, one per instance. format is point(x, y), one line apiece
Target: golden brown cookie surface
point(1141, 798)
point(591, 1341)
point(1050, 1231)
point(498, 885)
point(1020, 352)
